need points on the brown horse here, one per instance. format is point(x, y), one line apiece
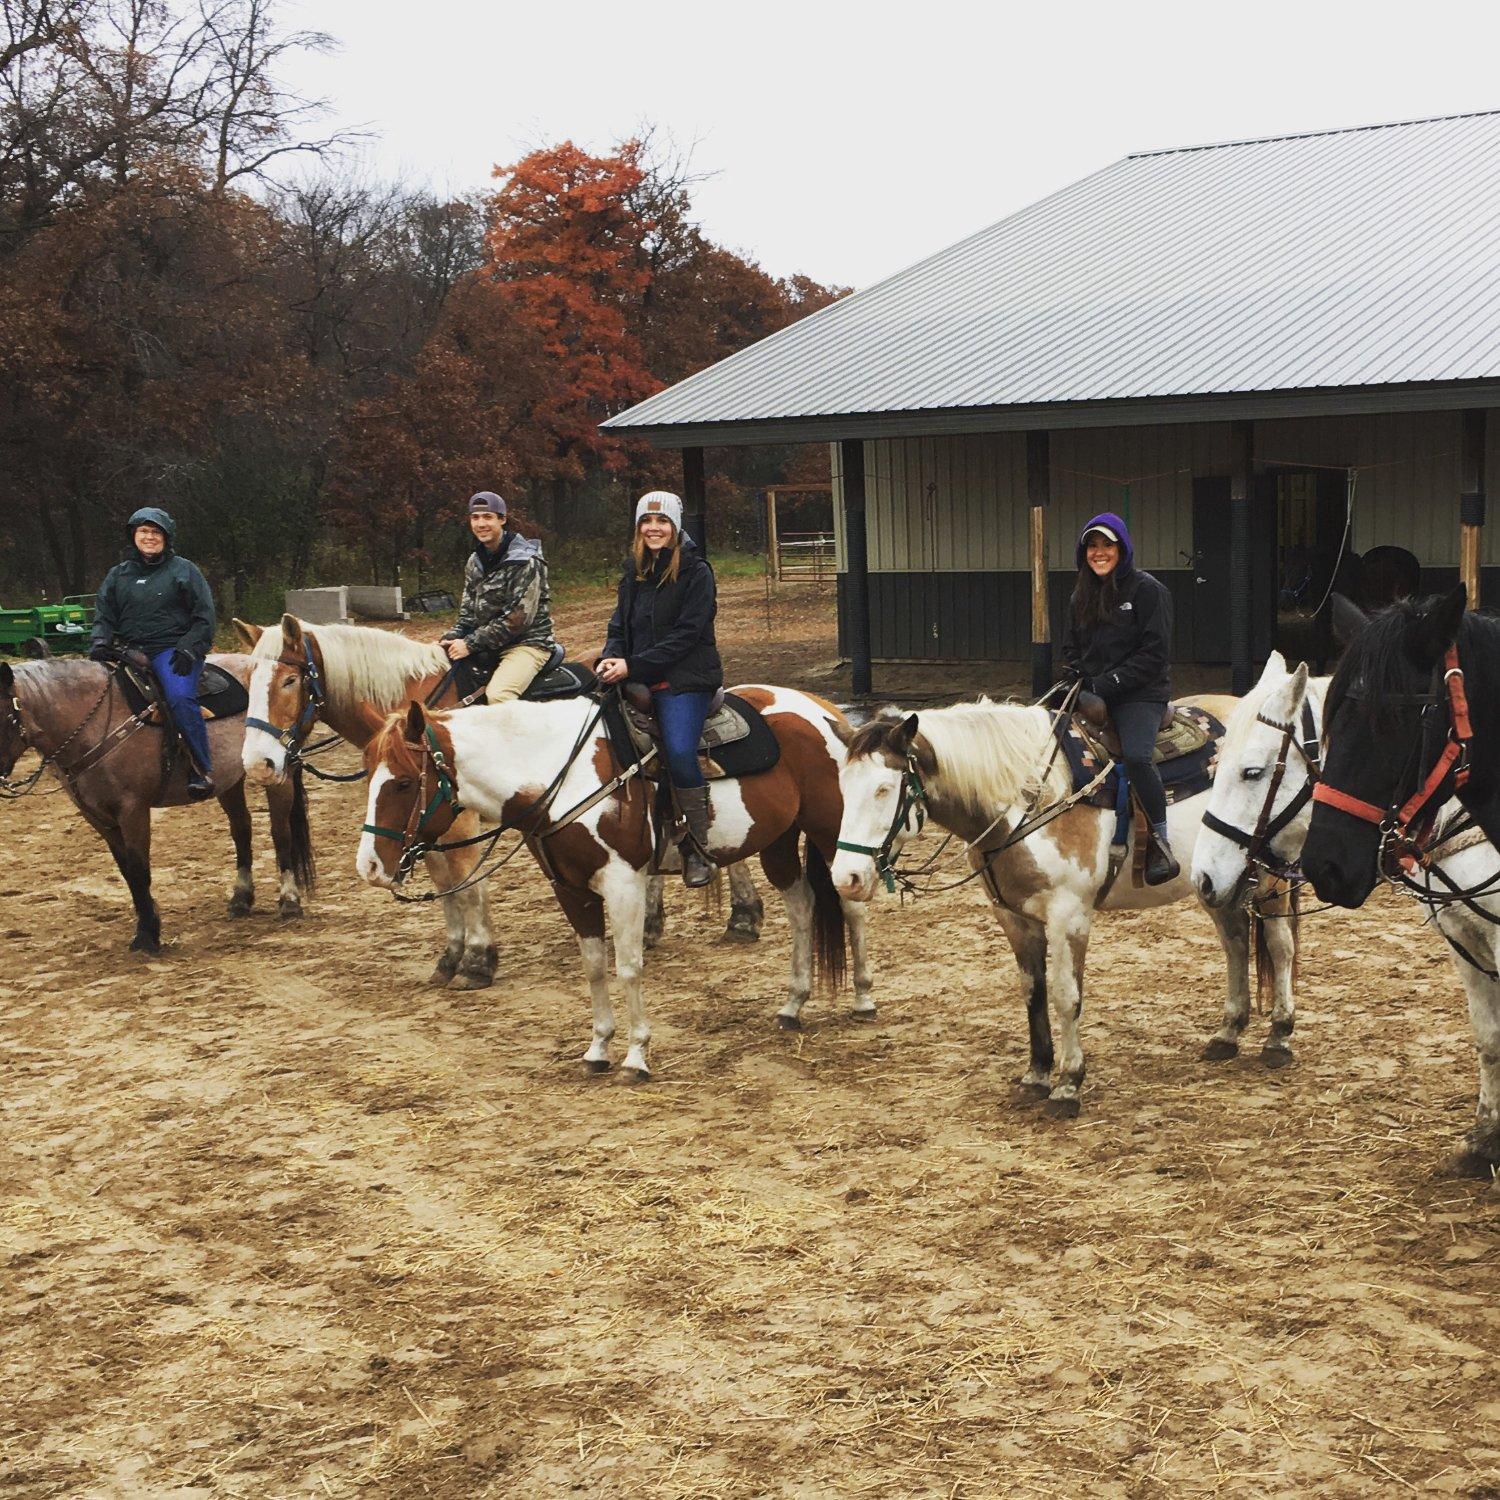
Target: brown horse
point(517, 764)
point(114, 767)
point(335, 674)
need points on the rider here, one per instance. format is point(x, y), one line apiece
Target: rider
point(662, 635)
point(159, 603)
point(1119, 644)
point(504, 630)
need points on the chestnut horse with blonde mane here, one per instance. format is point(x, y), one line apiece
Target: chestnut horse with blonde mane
point(548, 771)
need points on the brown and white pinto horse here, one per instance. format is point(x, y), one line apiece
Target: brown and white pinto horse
point(336, 674)
point(503, 760)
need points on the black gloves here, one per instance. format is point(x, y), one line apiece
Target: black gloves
point(100, 652)
point(183, 662)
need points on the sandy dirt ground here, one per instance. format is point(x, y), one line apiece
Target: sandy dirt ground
point(275, 1220)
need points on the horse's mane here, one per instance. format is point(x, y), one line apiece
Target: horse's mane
point(362, 664)
point(987, 755)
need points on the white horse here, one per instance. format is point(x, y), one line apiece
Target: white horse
point(532, 766)
point(976, 767)
point(1265, 733)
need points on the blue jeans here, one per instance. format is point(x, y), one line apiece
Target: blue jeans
point(1137, 725)
point(182, 700)
point(681, 717)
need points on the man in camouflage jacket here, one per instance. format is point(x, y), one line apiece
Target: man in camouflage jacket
point(504, 630)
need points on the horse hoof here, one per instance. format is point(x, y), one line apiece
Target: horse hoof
point(290, 910)
point(637, 1075)
point(239, 906)
point(140, 943)
point(439, 978)
point(596, 1064)
point(1032, 1089)
point(1062, 1109)
point(1220, 1050)
point(789, 1023)
point(733, 934)
point(463, 981)
point(1277, 1057)
point(1471, 1163)
point(865, 1013)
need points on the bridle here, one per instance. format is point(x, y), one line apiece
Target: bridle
point(1406, 830)
point(11, 791)
point(413, 846)
point(913, 798)
point(291, 739)
point(1259, 844)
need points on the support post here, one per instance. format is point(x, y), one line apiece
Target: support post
point(1242, 457)
point(1471, 501)
point(694, 498)
point(1039, 493)
point(857, 559)
point(773, 549)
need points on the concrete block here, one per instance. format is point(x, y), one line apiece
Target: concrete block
point(375, 601)
point(319, 606)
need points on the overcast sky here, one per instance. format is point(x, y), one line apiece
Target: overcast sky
point(848, 140)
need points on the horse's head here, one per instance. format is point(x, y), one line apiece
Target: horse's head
point(413, 796)
point(1243, 798)
point(1383, 723)
point(881, 782)
point(12, 734)
point(286, 694)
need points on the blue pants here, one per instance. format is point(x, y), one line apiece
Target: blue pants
point(681, 717)
point(182, 700)
point(1137, 724)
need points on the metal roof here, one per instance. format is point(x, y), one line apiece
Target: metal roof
point(1340, 260)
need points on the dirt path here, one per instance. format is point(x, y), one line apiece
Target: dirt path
point(276, 1221)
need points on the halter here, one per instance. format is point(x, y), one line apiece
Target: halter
point(913, 798)
point(291, 739)
point(1258, 845)
point(1405, 831)
point(413, 845)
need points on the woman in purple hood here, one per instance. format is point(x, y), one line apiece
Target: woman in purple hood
point(1119, 644)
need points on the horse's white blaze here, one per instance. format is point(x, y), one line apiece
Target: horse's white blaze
point(263, 756)
point(871, 792)
point(366, 861)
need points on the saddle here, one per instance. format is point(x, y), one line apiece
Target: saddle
point(1187, 749)
point(220, 694)
point(557, 679)
point(736, 739)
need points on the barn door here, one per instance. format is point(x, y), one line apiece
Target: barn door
point(1210, 569)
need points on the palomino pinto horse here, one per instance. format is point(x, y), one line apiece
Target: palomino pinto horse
point(530, 766)
point(336, 674)
point(74, 715)
point(1268, 733)
point(975, 767)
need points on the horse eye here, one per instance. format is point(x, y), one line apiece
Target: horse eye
point(289, 682)
point(1253, 773)
point(404, 785)
point(882, 791)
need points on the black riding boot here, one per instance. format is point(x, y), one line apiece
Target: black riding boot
point(696, 869)
point(1160, 864)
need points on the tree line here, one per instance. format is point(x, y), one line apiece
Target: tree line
point(204, 305)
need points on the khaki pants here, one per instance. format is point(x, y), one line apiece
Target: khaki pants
point(518, 668)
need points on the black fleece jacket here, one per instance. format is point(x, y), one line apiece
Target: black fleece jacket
point(664, 628)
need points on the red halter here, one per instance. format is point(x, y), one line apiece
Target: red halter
point(1455, 758)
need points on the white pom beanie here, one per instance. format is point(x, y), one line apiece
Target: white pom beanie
point(660, 503)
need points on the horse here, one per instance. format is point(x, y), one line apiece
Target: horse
point(1413, 718)
point(111, 763)
point(336, 674)
point(548, 771)
point(1262, 804)
point(977, 770)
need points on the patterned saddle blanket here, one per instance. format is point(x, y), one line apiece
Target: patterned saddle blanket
point(1187, 752)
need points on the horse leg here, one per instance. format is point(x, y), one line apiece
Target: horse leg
point(1067, 948)
point(656, 910)
point(746, 910)
point(1281, 944)
point(585, 913)
point(279, 803)
point(783, 866)
point(129, 841)
point(625, 899)
point(242, 898)
point(1233, 925)
point(1480, 1154)
point(856, 918)
point(1028, 940)
point(470, 958)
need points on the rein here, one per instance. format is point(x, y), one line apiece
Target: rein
point(13, 791)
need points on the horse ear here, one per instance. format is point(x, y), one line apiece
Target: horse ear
point(291, 632)
point(1297, 690)
point(901, 740)
point(841, 729)
point(416, 721)
point(7, 678)
point(1440, 624)
point(248, 635)
point(1274, 668)
point(1346, 618)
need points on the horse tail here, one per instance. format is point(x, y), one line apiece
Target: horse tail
point(829, 931)
point(303, 865)
point(1263, 972)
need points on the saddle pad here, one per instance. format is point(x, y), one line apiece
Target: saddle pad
point(736, 741)
point(1183, 774)
point(221, 695)
point(570, 680)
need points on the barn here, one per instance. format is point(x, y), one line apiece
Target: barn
point(1272, 356)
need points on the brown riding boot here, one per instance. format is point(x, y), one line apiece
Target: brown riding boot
point(696, 869)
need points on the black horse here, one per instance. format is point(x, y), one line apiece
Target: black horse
point(1389, 724)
